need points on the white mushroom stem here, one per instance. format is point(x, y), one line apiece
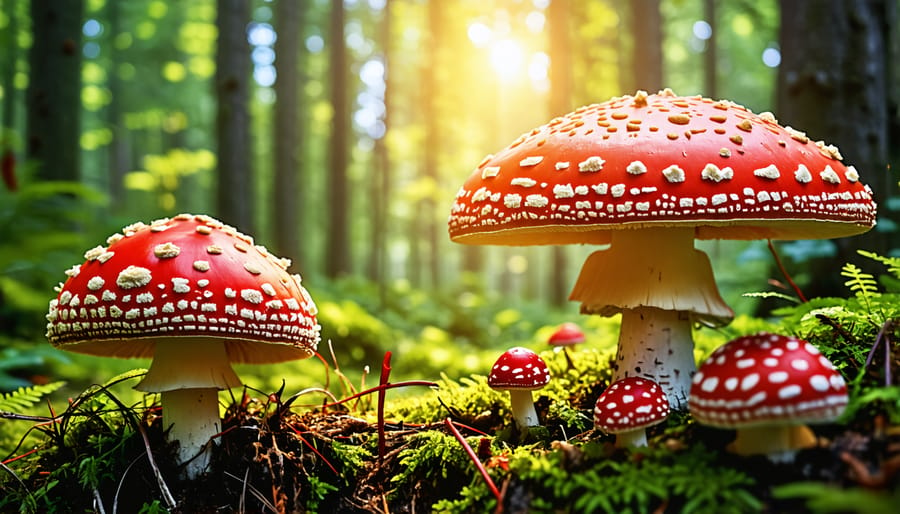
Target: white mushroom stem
point(192, 418)
point(661, 284)
point(657, 344)
point(522, 405)
point(632, 438)
point(779, 443)
point(188, 373)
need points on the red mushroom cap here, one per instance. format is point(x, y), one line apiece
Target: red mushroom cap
point(630, 404)
point(567, 334)
point(766, 379)
point(661, 160)
point(519, 368)
point(184, 276)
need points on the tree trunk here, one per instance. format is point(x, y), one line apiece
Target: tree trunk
point(338, 258)
point(710, 68)
point(235, 174)
point(119, 150)
point(431, 93)
point(288, 198)
point(832, 84)
point(381, 182)
point(646, 58)
point(560, 103)
point(53, 99)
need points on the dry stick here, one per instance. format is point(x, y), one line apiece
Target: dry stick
point(161, 482)
point(784, 272)
point(383, 381)
point(478, 465)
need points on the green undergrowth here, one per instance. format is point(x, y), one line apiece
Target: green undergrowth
point(283, 449)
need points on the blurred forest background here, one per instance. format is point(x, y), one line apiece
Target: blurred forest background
point(338, 131)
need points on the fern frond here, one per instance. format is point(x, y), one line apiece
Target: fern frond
point(861, 283)
point(892, 263)
point(772, 294)
point(25, 397)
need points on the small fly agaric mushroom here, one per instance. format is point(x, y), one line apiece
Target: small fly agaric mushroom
point(194, 295)
point(767, 387)
point(648, 174)
point(568, 334)
point(628, 407)
point(520, 371)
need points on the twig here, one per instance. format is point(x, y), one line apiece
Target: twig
point(254, 491)
point(160, 481)
point(784, 272)
point(382, 381)
point(883, 337)
point(316, 451)
point(98, 501)
point(478, 465)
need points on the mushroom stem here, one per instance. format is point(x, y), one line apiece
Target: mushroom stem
point(522, 405)
point(188, 372)
point(657, 344)
point(660, 283)
point(632, 438)
point(779, 442)
point(192, 418)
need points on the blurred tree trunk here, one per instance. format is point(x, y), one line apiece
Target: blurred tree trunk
point(832, 84)
point(8, 75)
point(235, 174)
point(338, 260)
point(646, 57)
point(560, 103)
point(710, 68)
point(427, 230)
point(53, 99)
point(288, 197)
point(119, 150)
point(381, 182)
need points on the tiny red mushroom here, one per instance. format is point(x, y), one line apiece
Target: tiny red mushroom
point(628, 407)
point(194, 295)
point(520, 371)
point(649, 174)
point(568, 334)
point(767, 387)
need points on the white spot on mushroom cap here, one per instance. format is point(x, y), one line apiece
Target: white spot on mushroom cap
point(531, 161)
point(166, 250)
point(674, 174)
point(133, 276)
point(592, 164)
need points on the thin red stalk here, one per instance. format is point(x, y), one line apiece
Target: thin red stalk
point(784, 272)
point(13, 459)
point(313, 448)
point(383, 381)
point(475, 460)
point(384, 387)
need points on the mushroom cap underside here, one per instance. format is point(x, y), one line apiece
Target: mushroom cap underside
point(661, 160)
point(184, 277)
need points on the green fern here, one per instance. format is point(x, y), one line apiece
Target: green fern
point(26, 397)
point(892, 263)
point(863, 284)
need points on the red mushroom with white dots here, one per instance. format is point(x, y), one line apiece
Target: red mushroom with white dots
point(649, 174)
point(567, 335)
point(520, 371)
point(194, 295)
point(768, 388)
point(628, 407)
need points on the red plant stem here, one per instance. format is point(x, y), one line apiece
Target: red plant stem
point(475, 460)
point(784, 272)
point(383, 381)
point(313, 448)
point(384, 387)
point(13, 459)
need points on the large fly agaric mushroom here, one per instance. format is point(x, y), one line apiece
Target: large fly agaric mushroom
point(520, 371)
point(648, 174)
point(767, 387)
point(194, 295)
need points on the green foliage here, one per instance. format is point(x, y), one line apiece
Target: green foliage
point(589, 478)
point(26, 397)
point(822, 498)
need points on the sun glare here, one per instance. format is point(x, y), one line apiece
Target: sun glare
point(507, 58)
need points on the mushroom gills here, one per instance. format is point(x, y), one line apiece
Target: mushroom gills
point(778, 442)
point(189, 363)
